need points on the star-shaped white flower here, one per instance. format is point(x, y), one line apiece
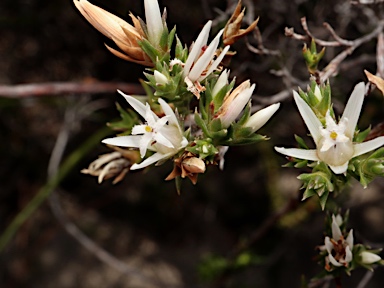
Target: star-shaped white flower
point(339, 249)
point(161, 135)
point(334, 142)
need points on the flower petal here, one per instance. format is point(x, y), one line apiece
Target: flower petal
point(333, 261)
point(339, 169)
point(201, 41)
point(336, 232)
point(124, 141)
point(313, 123)
point(169, 112)
point(362, 148)
point(353, 108)
point(154, 21)
point(328, 245)
point(136, 104)
point(150, 160)
point(348, 254)
point(205, 59)
point(299, 153)
point(349, 239)
point(215, 63)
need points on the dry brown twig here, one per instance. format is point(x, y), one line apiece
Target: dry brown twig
point(62, 88)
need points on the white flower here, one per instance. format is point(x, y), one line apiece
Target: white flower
point(161, 135)
point(369, 257)
point(334, 142)
point(154, 21)
point(339, 249)
point(200, 63)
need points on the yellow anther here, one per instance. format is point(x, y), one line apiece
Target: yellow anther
point(333, 135)
point(148, 129)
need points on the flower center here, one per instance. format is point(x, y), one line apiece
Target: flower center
point(333, 135)
point(148, 129)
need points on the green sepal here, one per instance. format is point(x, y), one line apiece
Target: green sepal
point(201, 123)
point(301, 142)
point(204, 148)
point(325, 103)
point(360, 137)
point(181, 52)
point(128, 120)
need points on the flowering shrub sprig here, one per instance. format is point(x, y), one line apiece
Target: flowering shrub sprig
point(191, 135)
point(337, 144)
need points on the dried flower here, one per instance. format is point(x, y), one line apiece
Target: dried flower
point(115, 164)
point(124, 35)
point(187, 165)
point(232, 31)
point(339, 249)
point(378, 81)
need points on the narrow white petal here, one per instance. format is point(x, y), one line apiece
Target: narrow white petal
point(215, 63)
point(169, 112)
point(353, 108)
point(362, 148)
point(339, 169)
point(136, 104)
point(348, 254)
point(161, 139)
point(150, 160)
point(196, 49)
point(139, 129)
point(145, 141)
point(313, 123)
point(336, 232)
point(333, 261)
point(204, 60)
point(154, 21)
point(328, 245)
point(299, 153)
point(258, 119)
point(349, 239)
point(124, 141)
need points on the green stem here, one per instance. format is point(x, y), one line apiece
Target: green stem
point(51, 184)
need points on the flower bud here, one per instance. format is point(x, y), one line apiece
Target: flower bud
point(160, 78)
point(257, 120)
point(234, 103)
point(221, 82)
point(154, 21)
point(369, 257)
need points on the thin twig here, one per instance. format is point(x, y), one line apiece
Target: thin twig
point(62, 88)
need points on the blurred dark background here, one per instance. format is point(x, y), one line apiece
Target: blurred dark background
point(142, 220)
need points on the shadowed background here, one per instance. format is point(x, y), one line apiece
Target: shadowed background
point(177, 240)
